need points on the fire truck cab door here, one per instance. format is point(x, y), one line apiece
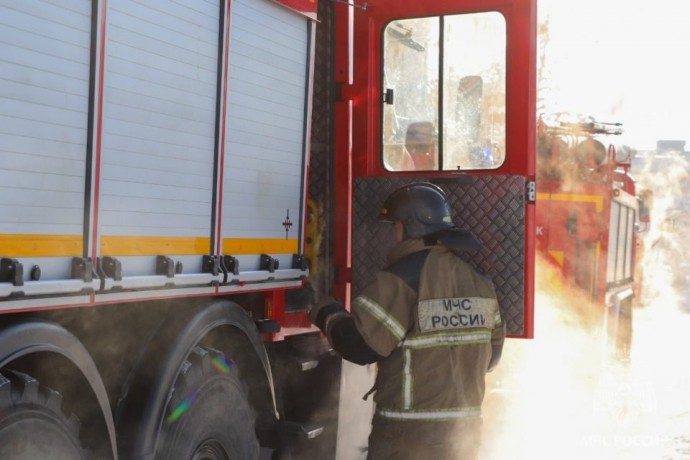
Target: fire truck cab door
point(444, 91)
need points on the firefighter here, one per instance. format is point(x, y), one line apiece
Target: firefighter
point(432, 324)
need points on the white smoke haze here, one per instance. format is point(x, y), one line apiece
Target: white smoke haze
point(355, 413)
point(619, 60)
point(562, 396)
point(667, 254)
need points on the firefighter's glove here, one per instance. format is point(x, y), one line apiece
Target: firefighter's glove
point(319, 312)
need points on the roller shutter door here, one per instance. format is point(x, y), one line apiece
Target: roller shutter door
point(265, 137)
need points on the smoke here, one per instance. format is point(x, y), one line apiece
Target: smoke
point(355, 413)
point(562, 396)
point(540, 397)
point(612, 35)
point(666, 255)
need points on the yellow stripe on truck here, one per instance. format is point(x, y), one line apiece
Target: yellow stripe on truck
point(597, 200)
point(41, 245)
point(72, 246)
point(245, 246)
point(154, 245)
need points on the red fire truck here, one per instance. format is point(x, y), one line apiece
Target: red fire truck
point(589, 218)
point(179, 181)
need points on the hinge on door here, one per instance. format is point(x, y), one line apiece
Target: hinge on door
point(268, 263)
point(111, 267)
point(210, 264)
point(531, 191)
point(300, 262)
point(12, 271)
point(165, 266)
point(389, 96)
point(83, 269)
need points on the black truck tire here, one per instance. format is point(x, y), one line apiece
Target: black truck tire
point(32, 423)
point(208, 416)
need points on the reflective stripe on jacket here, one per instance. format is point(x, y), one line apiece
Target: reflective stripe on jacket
point(434, 319)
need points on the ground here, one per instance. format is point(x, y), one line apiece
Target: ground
point(561, 396)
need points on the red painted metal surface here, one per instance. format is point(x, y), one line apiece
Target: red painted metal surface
point(305, 7)
point(364, 96)
point(521, 93)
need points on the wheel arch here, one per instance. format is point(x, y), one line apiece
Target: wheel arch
point(32, 338)
point(181, 335)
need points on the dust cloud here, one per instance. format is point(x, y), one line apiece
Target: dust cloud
point(562, 395)
point(355, 413)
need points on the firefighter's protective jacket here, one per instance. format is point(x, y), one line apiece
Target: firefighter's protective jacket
point(435, 321)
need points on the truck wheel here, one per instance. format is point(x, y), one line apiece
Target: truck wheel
point(32, 424)
point(208, 416)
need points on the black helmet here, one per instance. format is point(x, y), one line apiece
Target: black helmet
point(421, 207)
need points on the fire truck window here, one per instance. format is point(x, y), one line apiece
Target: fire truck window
point(411, 60)
point(444, 86)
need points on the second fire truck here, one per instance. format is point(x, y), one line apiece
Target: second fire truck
point(589, 216)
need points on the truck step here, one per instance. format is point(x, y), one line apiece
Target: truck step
point(307, 363)
point(303, 430)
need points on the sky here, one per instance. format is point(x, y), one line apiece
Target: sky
point(622, 61)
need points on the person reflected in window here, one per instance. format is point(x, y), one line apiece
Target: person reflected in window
point(420, 143)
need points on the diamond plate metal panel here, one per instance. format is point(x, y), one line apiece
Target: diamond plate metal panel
point(492, 207)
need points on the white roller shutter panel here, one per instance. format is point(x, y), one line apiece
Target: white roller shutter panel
point(44, 90)
point(264, 146)
point(159, 118)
